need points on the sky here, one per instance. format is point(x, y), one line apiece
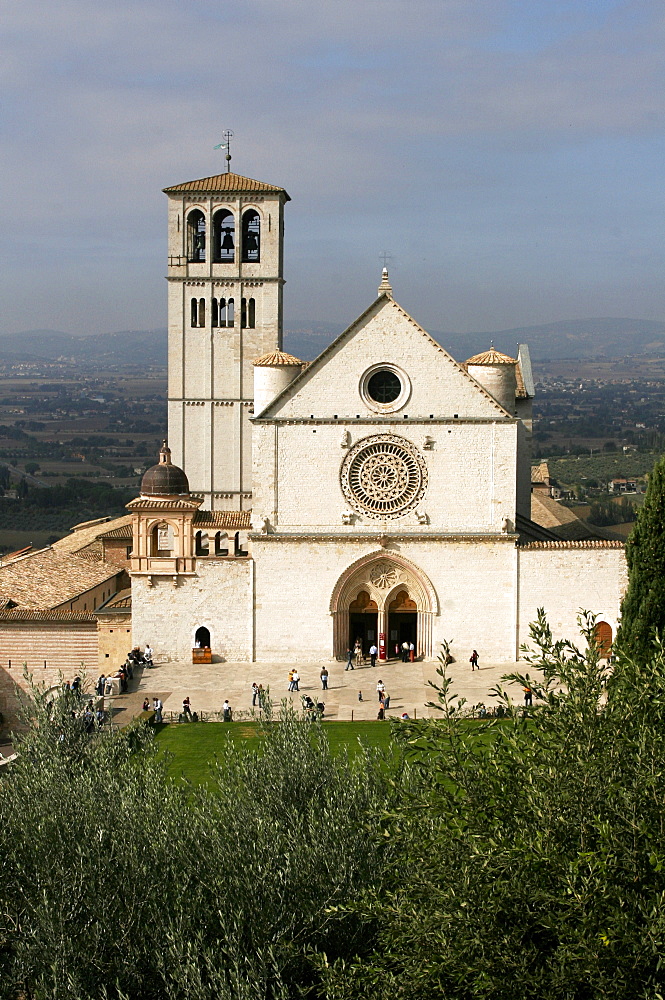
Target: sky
point(508, 154)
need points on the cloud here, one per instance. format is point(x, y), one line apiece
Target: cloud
point(384, 120)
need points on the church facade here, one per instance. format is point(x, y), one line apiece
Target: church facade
point(382, 492)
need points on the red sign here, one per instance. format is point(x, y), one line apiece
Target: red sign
point(382, 645)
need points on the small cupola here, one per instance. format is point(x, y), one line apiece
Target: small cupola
point(496, 372)
point(272, 373)
point(164, 479)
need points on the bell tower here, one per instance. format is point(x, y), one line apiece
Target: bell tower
point(225, 280)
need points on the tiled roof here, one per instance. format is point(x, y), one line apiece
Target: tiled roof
point(562, 521)
point(89, 533)
point(236, 519)
point(45, 615)
point(586, 543)
point(226, 182)
point(165, 503)
point(48, 578)
point(123, 531)
point(276, 358)
point(15, 555)
point(491, 357)
point(122, 601)
point(540, 473)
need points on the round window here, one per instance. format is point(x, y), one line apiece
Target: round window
point(384, 386)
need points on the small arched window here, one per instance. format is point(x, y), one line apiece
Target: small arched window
point(251, 237)
point(220, 549)
point(230, 313)
point(223, 237)
point(194, 305)
point(202, 312)
point(214, 312)
point(202, 543)
point(222, 312)
point(243, 313)
point(196, 237)
point(202, 637)
point(251, 314)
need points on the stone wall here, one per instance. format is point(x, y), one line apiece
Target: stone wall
point(67, 648)
point(566, 577)
point(218, 597)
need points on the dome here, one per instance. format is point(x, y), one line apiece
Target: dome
point(164, 479)
point(491, 357)
point(276, 358)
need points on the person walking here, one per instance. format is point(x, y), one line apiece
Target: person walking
point(349, 659)
point(255, 693)
point(473, 660)
point(405, 651)
point(380, 688)
point(324, 679)
point(296, 681)
point(386, 701)
point(186, 707)
point(290, 688)
point(528, 697)
point(373, 651)
point(157, 707)
point(227, 712)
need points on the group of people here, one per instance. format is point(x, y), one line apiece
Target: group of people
point(384, 699)
point(141, 658)
point(294, 680)
point(258, 694)
point(313, 710)
point(355, 656)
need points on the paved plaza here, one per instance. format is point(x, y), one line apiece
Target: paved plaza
point(207, 685)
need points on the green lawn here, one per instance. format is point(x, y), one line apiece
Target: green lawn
point(193, 746)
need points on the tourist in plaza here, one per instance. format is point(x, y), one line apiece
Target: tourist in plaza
point(473, 660)
point(358, 652)
point(296, 681)
point(386, 701)
point(186, 707)
point(157, 707)
point(412, 652)
point(349, 659)
point(148, 654)
point(146, 705)
point(381, 714)
point(405, 651)
point(290, 688)
point(99, 686)
point(324, 679)
point(380, 688)
point(261, 694)
point(528, 697)
point(227, 712)
point(360, 696)
point(255, 693)
point(373, 651)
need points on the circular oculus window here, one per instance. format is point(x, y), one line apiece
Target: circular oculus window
point(383, 476)
point(385, 388)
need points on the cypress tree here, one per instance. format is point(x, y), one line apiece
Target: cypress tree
point(643, 607)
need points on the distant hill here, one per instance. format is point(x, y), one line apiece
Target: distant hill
point(574, 339)
point(580, 338)
point(146, 347)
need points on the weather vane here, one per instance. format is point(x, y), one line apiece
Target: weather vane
point(227, 135)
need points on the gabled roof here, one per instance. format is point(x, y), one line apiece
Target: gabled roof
point(46, 615)
point(89, 532)
point(48, 578)
point(228, 182)
point(236, 519)
point(383, 299)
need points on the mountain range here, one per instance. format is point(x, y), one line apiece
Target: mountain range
point(570, 339)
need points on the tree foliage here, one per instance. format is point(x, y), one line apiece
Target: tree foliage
point(530, 863)
point(643, 608)
point(118, 882)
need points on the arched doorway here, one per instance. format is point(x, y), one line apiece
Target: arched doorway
point(363, 613)
point(385, 588)
point(603, 635)
point(402, 622)
point(202, 637)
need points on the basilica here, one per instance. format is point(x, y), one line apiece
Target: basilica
point(381, 492)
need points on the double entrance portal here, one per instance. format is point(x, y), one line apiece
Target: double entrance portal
point(402, 623)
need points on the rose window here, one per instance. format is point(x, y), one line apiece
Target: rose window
point(383, 476)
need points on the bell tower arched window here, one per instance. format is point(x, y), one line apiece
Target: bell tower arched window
point(202, 312)
point(230, 312)
point(196, 237)
point(223, 237)
point(251, 237)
